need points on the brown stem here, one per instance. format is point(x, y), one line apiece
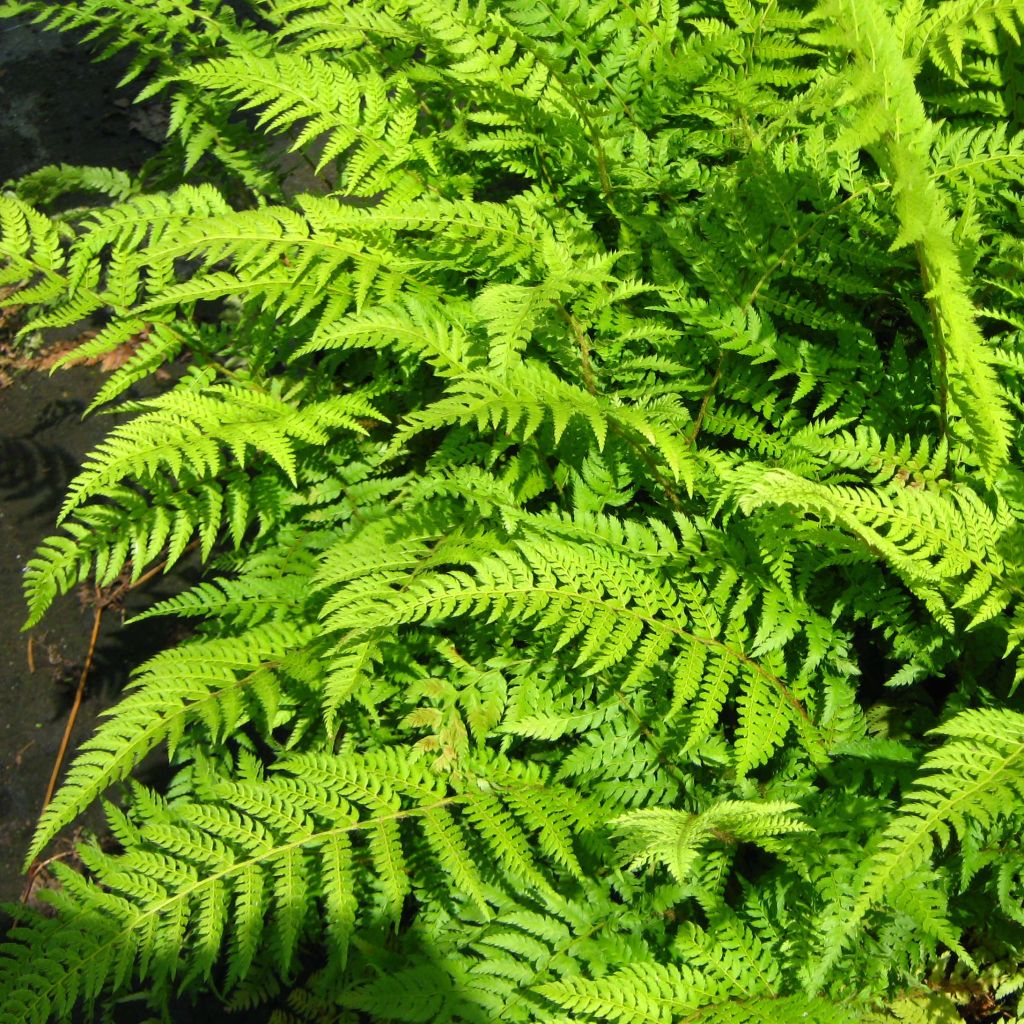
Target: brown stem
point(101, 603)
point(37, 868)
point(97, 618)
point(651, 464)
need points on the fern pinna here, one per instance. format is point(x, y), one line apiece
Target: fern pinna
point(605, 458)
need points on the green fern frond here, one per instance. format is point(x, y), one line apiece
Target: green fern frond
point(674, 839)
point(975, 777)
point(31, 249)
point(652, 994)
point(529, 395)
point(217, 684)
point(362, 117)
point(187, 429)
point(613, 611)
point(942, 544)
point(901, 134)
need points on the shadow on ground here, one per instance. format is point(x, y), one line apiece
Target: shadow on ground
point(56, 106)
point(42, 442)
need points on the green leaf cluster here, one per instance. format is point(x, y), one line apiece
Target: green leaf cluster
point(600, 426)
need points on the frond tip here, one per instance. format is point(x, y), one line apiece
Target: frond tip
point(675, 839)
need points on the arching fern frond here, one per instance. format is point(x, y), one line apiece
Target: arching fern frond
point(367, 118)
point(215, 684)
point(233, 872)
point(616, 613)
point(972, 780)
point(942, 544)
point(893, 122)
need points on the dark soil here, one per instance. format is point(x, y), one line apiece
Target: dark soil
point(56, 107)
point(42, 441)
point(59, 107)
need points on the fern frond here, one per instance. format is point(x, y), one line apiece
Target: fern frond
point(186, 430)
point(944, 545)
point(217, 684)
point(367, 118)
point(31, 250)
point(530, 395)
point(614, 612)
point(601, 481)
point(649, 993)
point(901, 134)
point(674, 839)
point(975, 777)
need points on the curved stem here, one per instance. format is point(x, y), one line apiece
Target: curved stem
point(58, 763)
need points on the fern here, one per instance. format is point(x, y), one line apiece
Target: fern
point(975, 779)
point(604, 469)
